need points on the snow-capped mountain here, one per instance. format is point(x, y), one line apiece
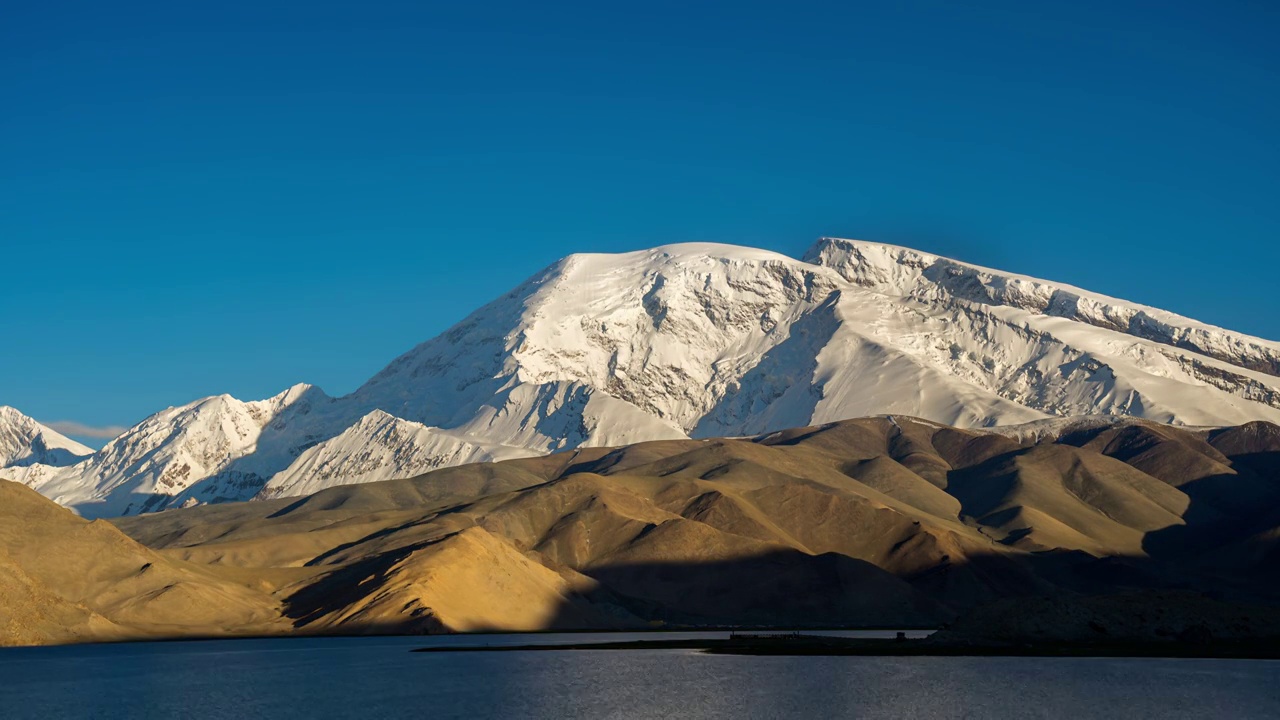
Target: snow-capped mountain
point(712, 340)
point(25, 442)
point(696, 340)
point(211, 450)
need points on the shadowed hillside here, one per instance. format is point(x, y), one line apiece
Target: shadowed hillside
point(877, 521)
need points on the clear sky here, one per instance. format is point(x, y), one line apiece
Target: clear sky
point(199, 198)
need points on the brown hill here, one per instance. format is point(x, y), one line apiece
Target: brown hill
point(63, 579)
point(875, 521)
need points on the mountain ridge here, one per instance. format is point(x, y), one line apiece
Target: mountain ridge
point(24, 441)
point(695, 340)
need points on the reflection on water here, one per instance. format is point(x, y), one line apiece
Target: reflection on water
point(369, 677)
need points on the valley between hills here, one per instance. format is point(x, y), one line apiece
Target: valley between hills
point(886, 521)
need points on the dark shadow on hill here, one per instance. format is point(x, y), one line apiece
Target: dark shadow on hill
point(783, 587)
point(1233, 518)
point(788, 589)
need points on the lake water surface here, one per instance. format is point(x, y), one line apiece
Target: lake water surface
point(378, 677)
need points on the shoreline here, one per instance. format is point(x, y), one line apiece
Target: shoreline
point(1264, 649)
point(356, 633)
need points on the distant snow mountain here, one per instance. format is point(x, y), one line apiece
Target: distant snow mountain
point(220, 449)
point(214, 449)
point(25, 442)
point(695, 340)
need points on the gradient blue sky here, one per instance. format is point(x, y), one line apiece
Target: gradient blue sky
point(199, 198)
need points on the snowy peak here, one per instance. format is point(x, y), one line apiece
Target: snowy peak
point(659, 328)
point(214, 449)
point(295, 398)
point(25, 442)
point(664, 330)
point(872, 265)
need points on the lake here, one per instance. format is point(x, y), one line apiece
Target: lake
point(379, 677)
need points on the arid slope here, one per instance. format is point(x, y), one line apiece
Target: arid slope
point(64, 579)
point(876, 521)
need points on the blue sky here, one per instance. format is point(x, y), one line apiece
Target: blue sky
point(199, 198)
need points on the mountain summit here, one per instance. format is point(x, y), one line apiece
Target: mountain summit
point(697, 340)
point(25, 442)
